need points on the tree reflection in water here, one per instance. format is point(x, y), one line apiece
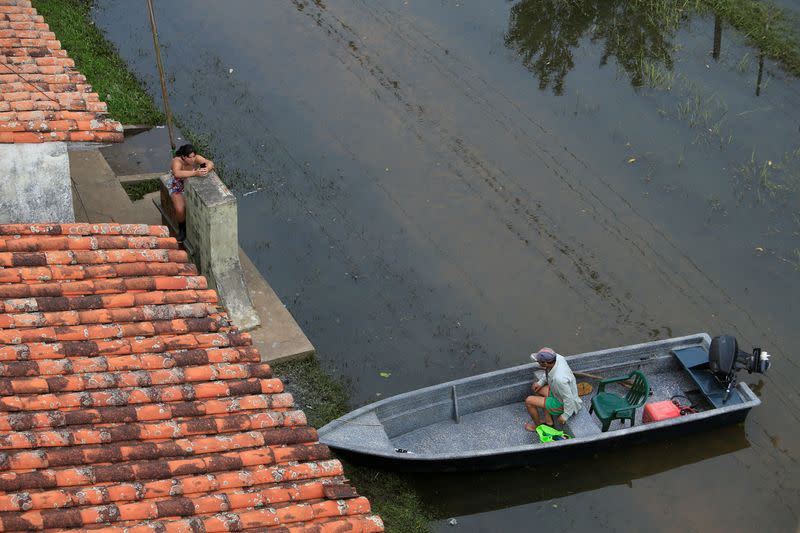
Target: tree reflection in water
point(638, 34)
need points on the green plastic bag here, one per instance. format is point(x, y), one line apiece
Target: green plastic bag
point(548, 434)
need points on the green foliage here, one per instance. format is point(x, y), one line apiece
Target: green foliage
point(320, 396)
point(137, 189)
point(392, 497)
point(96, 59)
point(323, 399)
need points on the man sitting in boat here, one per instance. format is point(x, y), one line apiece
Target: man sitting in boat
point(556, 393)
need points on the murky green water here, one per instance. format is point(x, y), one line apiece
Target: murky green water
point(436, 188)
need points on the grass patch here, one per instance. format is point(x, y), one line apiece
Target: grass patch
point(137, 189)
point(766, 26)
point(771, 179)
point(96, 58)
point(323, 399)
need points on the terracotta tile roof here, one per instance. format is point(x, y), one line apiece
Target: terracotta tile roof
point(42, 96)
point(128, 402)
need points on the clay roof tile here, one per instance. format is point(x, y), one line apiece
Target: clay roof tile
point(129, 402)
point(42, 96)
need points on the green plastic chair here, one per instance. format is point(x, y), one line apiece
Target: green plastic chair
point(609, 407)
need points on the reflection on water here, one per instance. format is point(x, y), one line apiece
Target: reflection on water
point(608, 467)
point(638, 34)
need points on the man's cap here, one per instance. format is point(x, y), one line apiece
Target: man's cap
point(545, 355)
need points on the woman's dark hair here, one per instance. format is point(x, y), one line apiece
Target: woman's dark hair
point(185, 150)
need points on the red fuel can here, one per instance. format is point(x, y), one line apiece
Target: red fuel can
point(653, 412)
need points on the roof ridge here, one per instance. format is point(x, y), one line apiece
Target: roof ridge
point(141, 395)
point(107, 316)
point(72, 257)
point(147, 431)
point(148, 328)
point(104, 493)
point(106, 301)
point(266, 494)
point(195, 446)
point(43, 243)
point(81, 272)
point(293, 507)
point(145, 412)
point(102, 363)
point(84, 228)
point(134, 378)
point(166, 469)
point(99, 286)
point(123, 346)
point(324, 512)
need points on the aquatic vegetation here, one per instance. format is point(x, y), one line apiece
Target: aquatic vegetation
point(770, 179)
point(655, 76)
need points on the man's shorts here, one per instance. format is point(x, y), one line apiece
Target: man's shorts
point(553, 406)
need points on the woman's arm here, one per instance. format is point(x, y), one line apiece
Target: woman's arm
point(209, 163)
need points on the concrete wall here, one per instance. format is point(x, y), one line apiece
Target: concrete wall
point(35, 183)
point(213, 237)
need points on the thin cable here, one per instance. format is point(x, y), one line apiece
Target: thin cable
point(30, 83)
point(157, 48)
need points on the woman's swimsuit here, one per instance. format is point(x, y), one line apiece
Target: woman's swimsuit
point(175, 185)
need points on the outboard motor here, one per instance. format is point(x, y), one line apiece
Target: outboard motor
point(725, 359)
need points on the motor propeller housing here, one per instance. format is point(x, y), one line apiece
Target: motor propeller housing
point(725, 359)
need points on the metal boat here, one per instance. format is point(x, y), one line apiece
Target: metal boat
point(478, 422)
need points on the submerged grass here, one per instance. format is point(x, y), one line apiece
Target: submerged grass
point(770, 179)
point(95, 57)
point(324, 399)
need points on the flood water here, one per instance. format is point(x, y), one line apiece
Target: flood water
point(435, 189)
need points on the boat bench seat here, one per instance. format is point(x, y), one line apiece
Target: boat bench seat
point(582, 424)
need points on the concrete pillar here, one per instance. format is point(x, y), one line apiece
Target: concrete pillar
point(35, 183)
point(213, 237)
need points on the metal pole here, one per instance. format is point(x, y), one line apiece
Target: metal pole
point(167, 111)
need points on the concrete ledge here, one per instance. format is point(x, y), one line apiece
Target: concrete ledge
point(279, 338)
point(35, 183)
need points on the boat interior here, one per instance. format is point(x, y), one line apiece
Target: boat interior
point(488, 412)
